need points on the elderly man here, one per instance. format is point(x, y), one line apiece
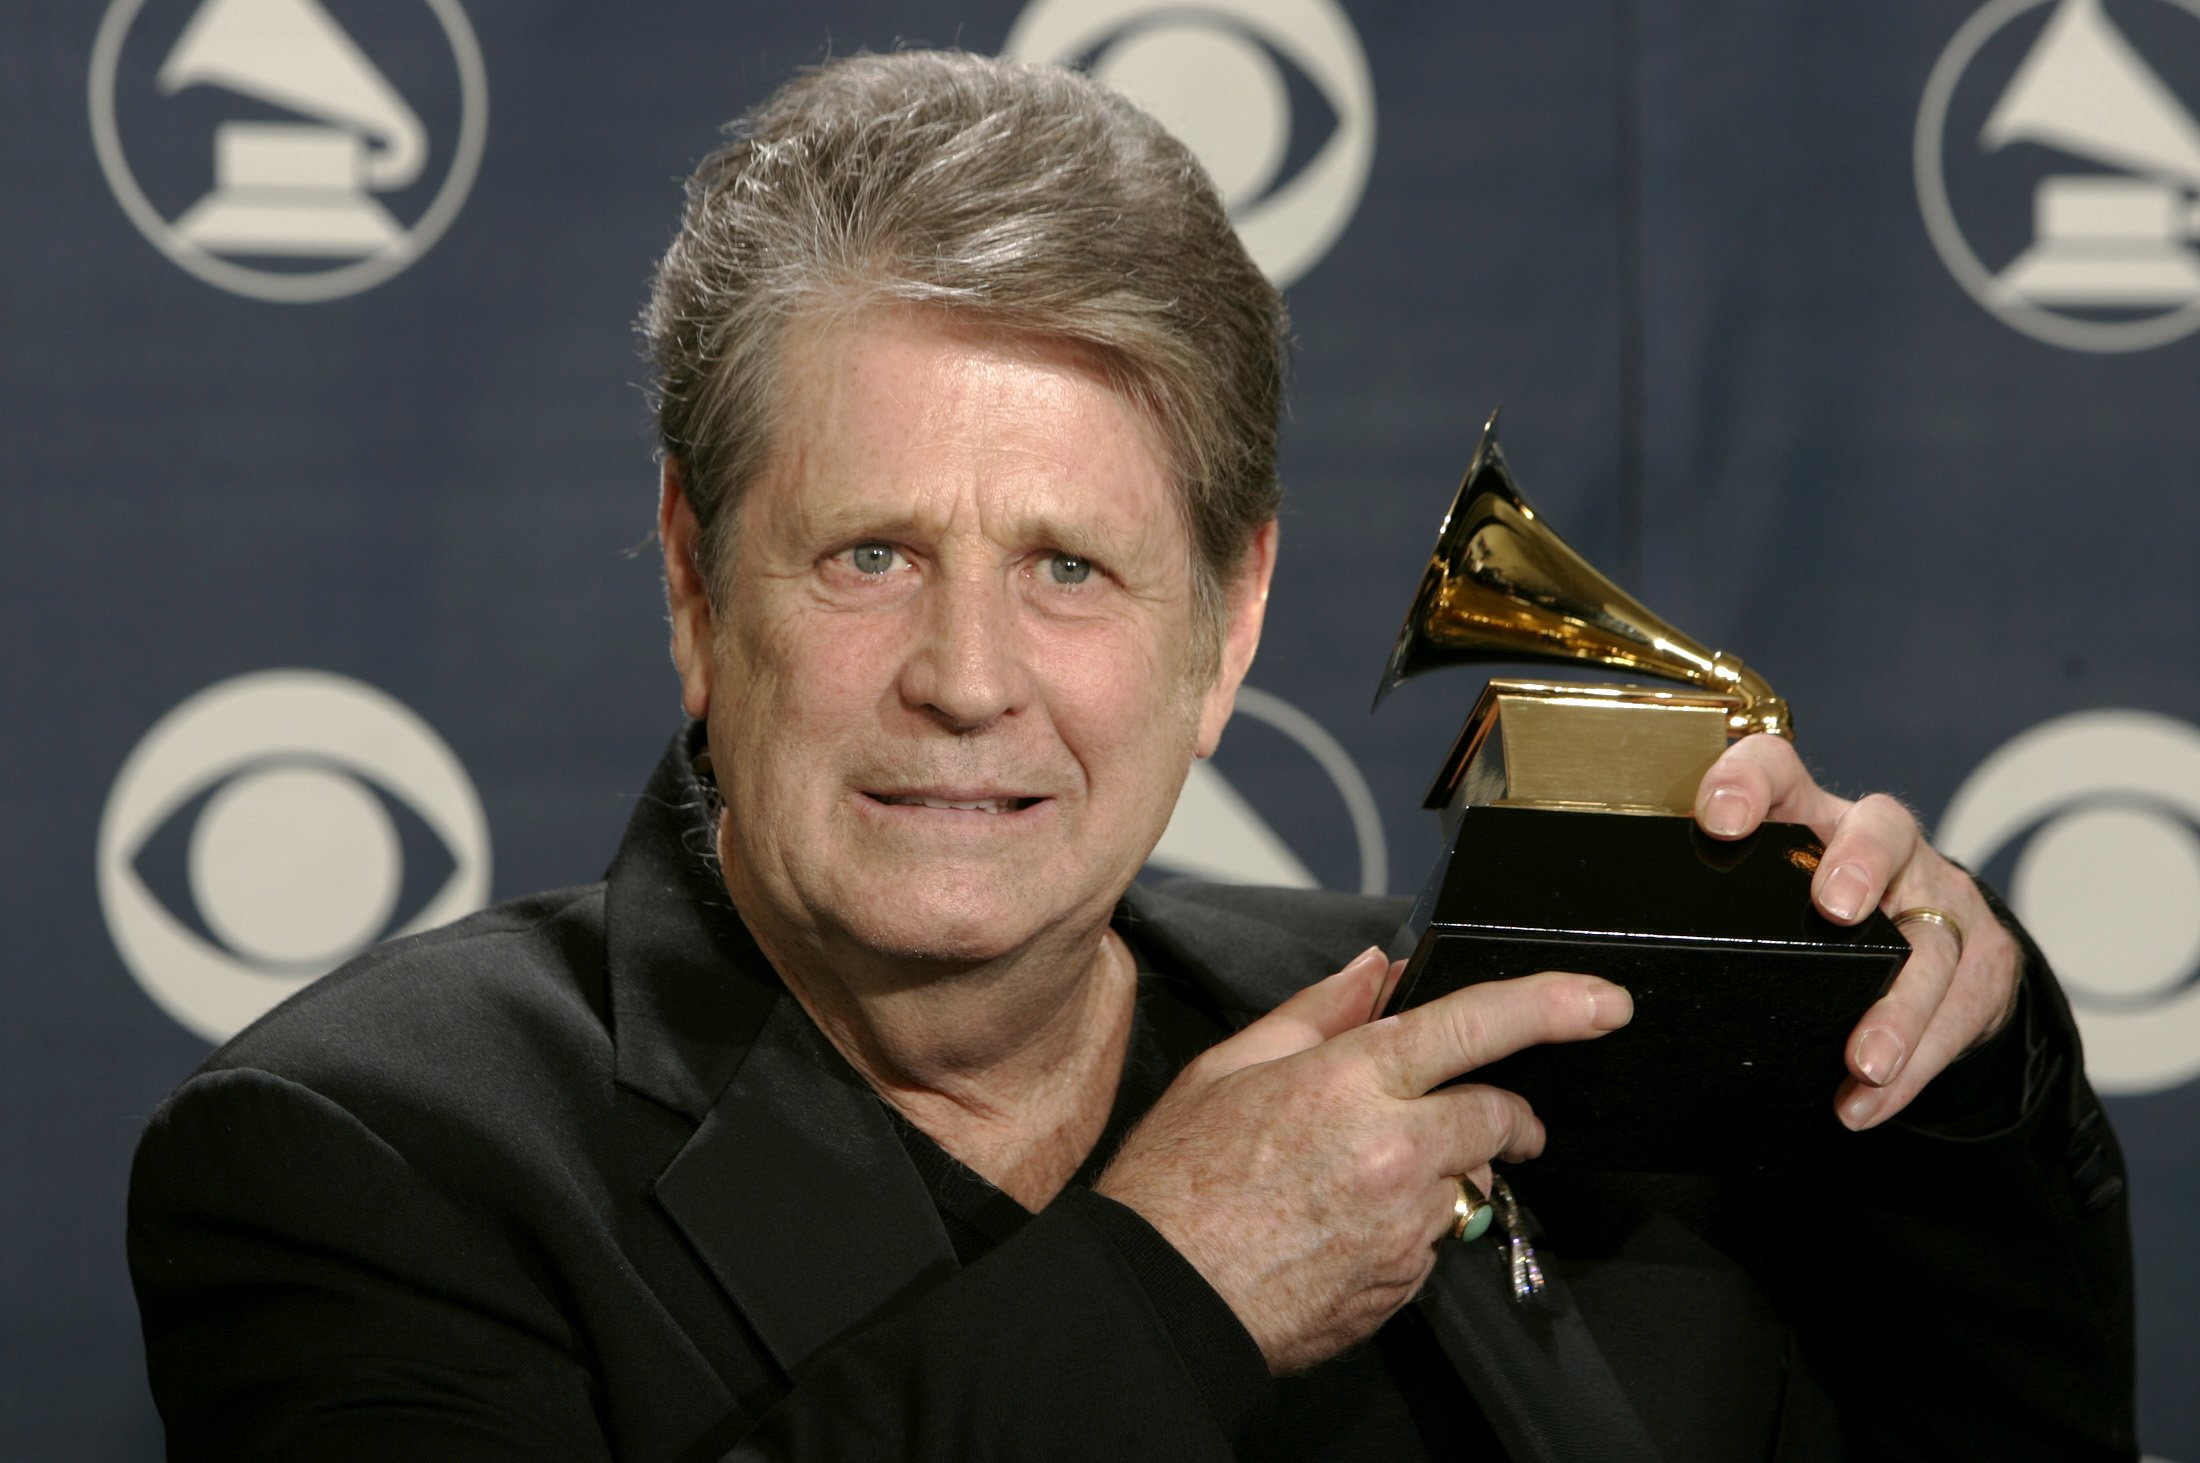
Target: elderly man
point(869, 1110)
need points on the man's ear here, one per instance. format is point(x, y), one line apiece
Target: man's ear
point(687, 592)
point(1248, 595)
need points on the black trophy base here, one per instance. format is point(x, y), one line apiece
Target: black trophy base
point(1744, 994)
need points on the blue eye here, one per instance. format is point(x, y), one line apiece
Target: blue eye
point(1068, 568)
point(874, 558)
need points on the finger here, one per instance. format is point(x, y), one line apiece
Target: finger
point(1980, 994)
point(1871, 846)
point(1464, 1127)
point(1761, 777)
point(1861, 1105)
point(1983, 992)
point(1474, 1025)
point(1884, 1041)
point(1446, 1209)
point(1312, 1016)
point(1888, 1034)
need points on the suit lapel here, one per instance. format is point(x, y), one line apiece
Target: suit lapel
point(793, 1189)
point(1245, 966)
point(798, 1195)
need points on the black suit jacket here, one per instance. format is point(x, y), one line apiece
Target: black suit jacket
point(574, 1178)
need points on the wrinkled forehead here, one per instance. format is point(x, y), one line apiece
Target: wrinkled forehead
point(873, 345)
point(909, 411)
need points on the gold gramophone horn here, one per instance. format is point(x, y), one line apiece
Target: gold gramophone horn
point(1501, 586)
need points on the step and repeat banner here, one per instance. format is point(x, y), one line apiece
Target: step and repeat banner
point(1861, 340)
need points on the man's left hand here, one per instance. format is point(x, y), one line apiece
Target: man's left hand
point(1951, 995)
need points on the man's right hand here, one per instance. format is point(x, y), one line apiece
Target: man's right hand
point(1305, 1165)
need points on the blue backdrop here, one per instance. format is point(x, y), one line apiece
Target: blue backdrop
point(1857, 340)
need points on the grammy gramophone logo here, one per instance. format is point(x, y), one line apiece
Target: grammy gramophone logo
point(284, 149)
point(2057, 158)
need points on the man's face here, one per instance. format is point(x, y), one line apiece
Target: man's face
point(952, 686)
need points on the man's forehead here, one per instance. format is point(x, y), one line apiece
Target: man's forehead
point(907, 416)
point(926, 362)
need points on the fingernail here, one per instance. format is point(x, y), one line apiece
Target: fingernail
point(1879, 1056)
point(1725, 812)
point(1610, 1006)
point(1372, 952)
point(1857, 1112)
point(1844, 892)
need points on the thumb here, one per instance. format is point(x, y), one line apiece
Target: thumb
point(1322, 1010)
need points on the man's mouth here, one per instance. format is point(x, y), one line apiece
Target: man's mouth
point(952, 804)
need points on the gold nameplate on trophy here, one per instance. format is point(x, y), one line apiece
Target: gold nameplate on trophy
point(1743, 991)
point(1583, 747)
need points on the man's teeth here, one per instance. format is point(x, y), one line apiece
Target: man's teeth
point(989, 805)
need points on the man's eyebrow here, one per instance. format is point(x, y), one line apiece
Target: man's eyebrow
point(838, 519)
point(835, 521)
point(1081, 539)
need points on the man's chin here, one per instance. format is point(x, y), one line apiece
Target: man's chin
point(953, 933)
point(943, 947)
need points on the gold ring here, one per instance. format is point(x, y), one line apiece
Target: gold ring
point(1925, 914)
point(1470, 1211)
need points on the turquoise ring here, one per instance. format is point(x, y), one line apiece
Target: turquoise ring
point(1471, 1212)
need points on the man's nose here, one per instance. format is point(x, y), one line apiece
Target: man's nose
point(967, 668)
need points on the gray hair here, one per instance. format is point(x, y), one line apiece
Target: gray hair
point(1019, 198)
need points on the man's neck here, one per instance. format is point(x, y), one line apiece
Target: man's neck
point(1010, 1066)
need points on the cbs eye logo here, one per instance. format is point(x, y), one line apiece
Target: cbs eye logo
point(2097, 819)
point(277, 806)
point(1218, 74)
